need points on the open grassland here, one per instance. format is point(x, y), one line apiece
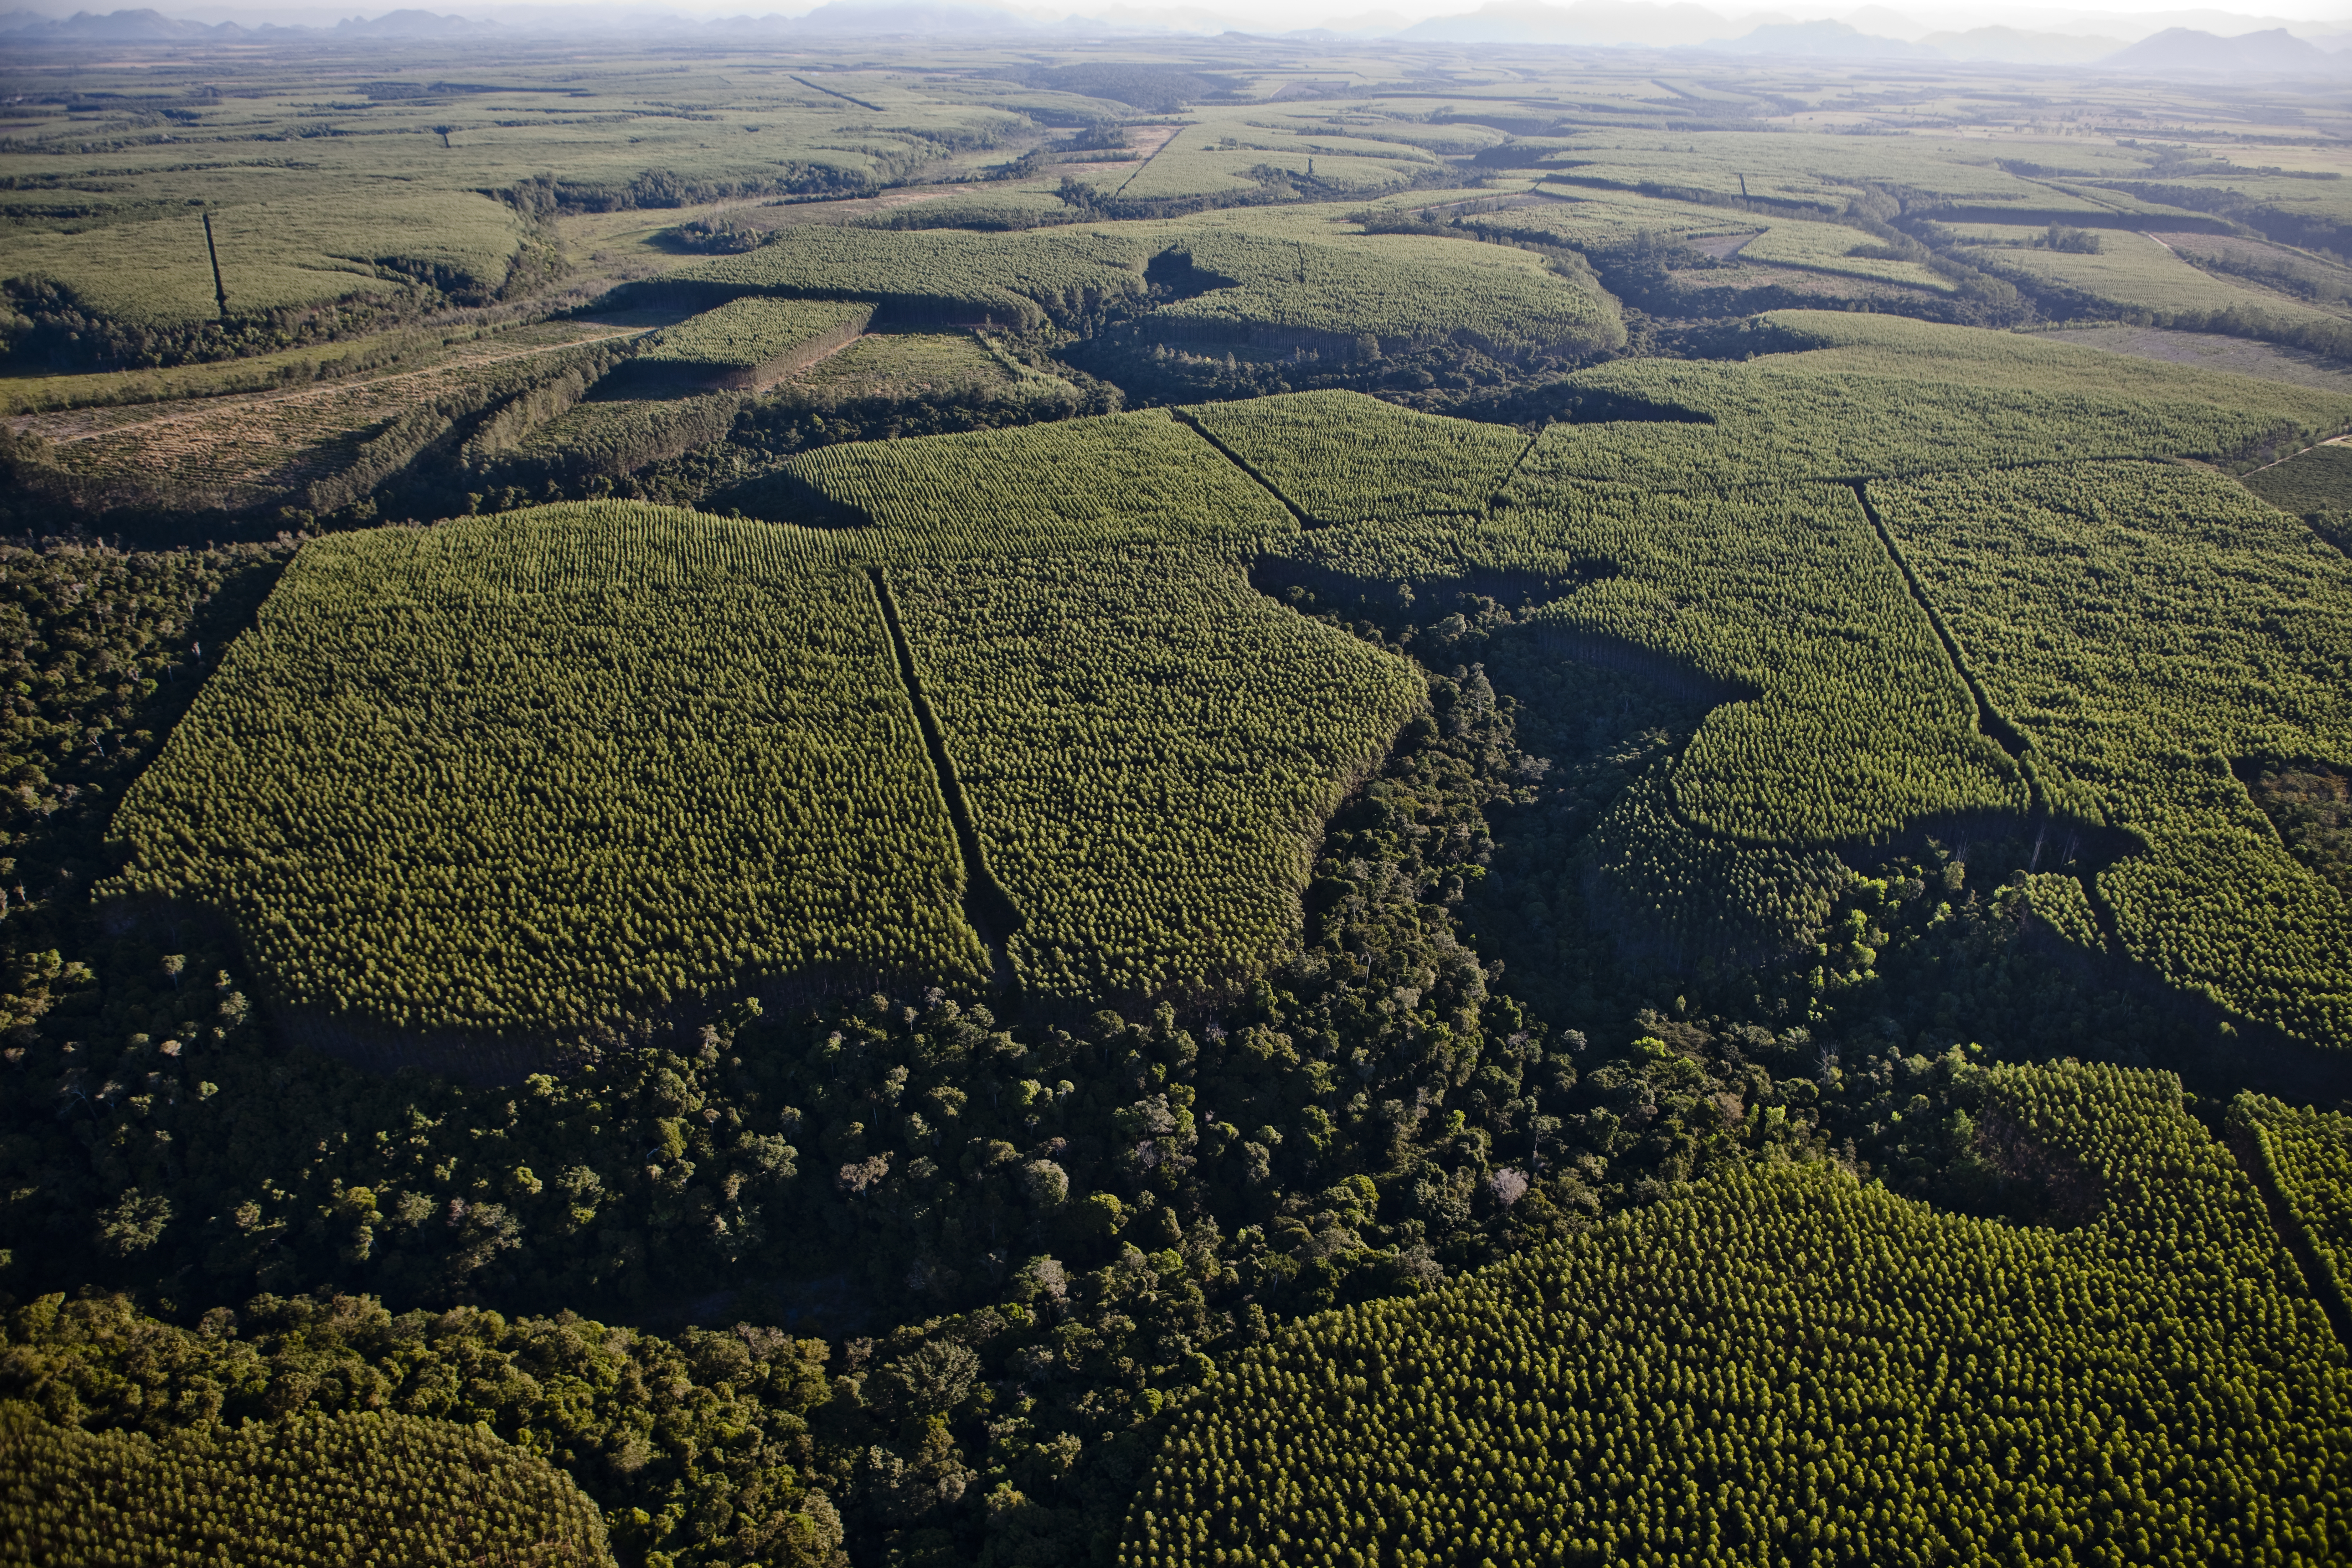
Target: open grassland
point(352, 1487)
point(1631, 1389)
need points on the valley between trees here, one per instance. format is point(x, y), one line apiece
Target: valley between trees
point(1396, 811)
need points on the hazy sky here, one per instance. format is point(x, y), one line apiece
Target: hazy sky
point(2119, 18)
point(1269, 16)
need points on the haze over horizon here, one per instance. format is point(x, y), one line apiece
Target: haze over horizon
point(2323, 22)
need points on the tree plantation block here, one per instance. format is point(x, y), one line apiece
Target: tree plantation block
point(1786, 1366)
point(356, 1488)
point(1085, 483)
point(556, 772)
point(2146, 628)
point(1340, 457)
point(1150, 748)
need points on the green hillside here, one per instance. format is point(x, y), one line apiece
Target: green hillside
point(773, 798)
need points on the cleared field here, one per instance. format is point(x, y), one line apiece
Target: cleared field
point(242, 450)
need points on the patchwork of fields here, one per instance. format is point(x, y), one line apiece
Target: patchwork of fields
point(1348, 804)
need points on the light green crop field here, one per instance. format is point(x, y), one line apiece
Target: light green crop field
point(907, 364)
point(1400, 290)
point(1020, 281)
point(2133, 272)
point(278, 255)
point(753, 342)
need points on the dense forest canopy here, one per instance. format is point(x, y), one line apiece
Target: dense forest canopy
point(1199, 801)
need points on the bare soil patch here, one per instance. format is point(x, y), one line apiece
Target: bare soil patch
point(1723, 247)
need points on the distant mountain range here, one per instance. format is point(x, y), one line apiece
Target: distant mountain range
point(2201, 43)
point(2273, 52)
point(153, 27)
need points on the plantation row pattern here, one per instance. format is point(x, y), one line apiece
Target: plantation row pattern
point(1778, 1365)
